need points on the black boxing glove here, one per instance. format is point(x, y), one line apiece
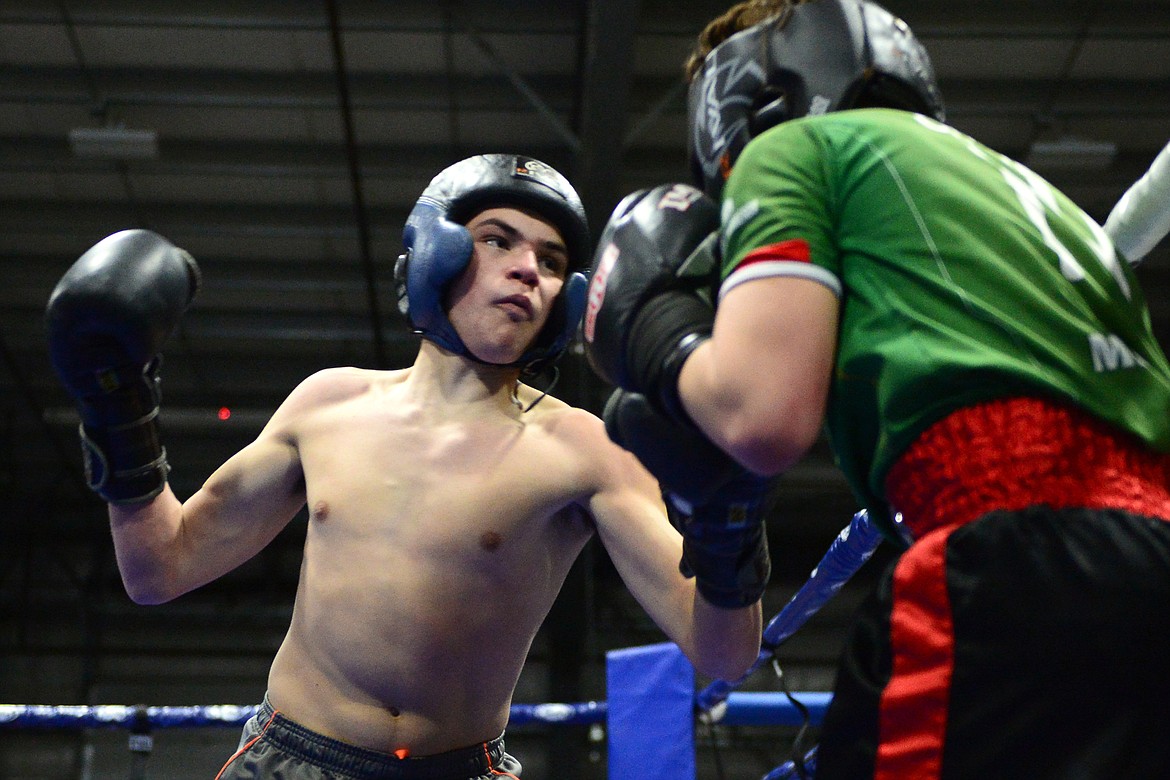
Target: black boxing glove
point(649, 303)
point(107, 319)
point(717, 505)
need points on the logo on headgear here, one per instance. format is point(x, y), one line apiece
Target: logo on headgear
point(533, 169)
point(724, 94)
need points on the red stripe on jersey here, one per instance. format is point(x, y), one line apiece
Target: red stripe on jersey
point(913, 711)
point(795, 249)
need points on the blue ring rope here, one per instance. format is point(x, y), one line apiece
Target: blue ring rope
point(852, 547)
point(743, 709)
point(849, 551)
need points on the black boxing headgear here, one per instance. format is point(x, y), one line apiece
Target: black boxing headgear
point(821, 56)
point(439, 247)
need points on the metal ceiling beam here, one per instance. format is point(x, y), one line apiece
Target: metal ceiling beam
point(131, 87)
point(927, 17)
point(606, 82)
point(401, 171)
point(551, 117)
point(353, 161)
point(38, 84)
point(280, 220)
point(296, 15)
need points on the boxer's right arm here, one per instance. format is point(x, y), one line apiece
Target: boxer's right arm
point(107, 319)
point(758, 389)
point(166, 548)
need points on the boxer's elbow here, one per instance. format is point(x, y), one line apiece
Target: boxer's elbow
point(767, 427)
point(148, 548)
point(148, 590)
point(731, 641)
point(146, 598)
point(768, 444)
point(147, 577)
point(731, 664)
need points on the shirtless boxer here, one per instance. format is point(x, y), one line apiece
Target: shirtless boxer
point(446, 504)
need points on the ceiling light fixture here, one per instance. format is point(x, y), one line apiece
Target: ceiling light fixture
point(1072, 153)
point(113, 143)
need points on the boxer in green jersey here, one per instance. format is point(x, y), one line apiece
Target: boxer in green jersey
point(982, 360)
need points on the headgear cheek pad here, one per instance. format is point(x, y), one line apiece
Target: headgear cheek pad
point(815, 58)
point(439, 247)
point(437, 251)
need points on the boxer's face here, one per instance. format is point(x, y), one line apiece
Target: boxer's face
point(500, 303)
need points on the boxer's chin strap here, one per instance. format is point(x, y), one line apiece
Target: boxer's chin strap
point(556, 374)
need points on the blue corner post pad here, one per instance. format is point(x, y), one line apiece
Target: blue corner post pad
point(651, 706)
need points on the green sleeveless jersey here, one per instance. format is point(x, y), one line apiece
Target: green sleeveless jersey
point(962, 276)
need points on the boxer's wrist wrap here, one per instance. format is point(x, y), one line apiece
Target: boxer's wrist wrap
point(125, 462)
point(666, 331)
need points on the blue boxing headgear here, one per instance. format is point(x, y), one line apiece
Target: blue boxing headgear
point(820, 56)
point(439, 247)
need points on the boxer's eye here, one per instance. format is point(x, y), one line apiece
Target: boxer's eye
point(556, 263)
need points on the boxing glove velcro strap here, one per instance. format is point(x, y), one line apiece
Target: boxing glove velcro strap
point(666, 331)
point(728, 559)
point(125, 461)
point(124, 467)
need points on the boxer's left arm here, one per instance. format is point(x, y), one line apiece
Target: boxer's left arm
point(718, 505)
point(632, 524)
